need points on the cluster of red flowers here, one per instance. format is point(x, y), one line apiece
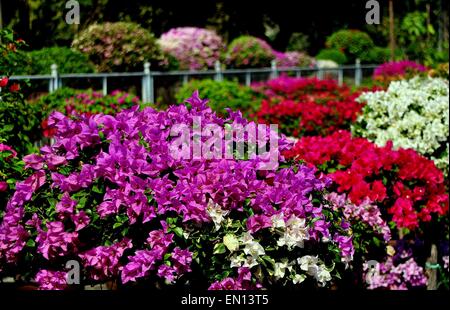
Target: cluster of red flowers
point(13, 87)
point(307, 106)
point(405, 184)
point(309, 118)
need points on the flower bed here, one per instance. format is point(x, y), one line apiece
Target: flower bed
point(403, 183)
point(109, 194)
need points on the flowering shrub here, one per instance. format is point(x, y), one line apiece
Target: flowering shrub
point(397, 70)
point(193, 48)
point(412, 114)
point(302, 89)
point(405, 185)
point(249, 52)
point(293, 59)
point(118, 46)
point(307, 106)
point(109, 193)
point(309, 118)
point(400, 276)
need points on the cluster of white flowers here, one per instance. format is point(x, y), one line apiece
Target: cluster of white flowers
point(248, 252)
point(308, 265)
point(412, 114)
point(216, 213)
point(293, 232)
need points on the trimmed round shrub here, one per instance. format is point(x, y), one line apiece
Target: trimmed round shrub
point(376, 55)
point(67, 60)
point(354, 43)
point(222, 95)
point(120, 46)
point(332, 54)
point(249, 52)
point(193, 48)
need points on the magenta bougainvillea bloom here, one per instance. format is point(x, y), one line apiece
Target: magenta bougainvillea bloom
point(398, 68)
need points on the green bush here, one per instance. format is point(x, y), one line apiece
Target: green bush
point(118, 46)
point(221, 95)
point(332, 54)
point(249, 52)
point(354, 43)
point(377, 55)
point(67, 60)
point(20, 125)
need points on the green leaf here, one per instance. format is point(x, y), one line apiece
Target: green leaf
point(31, 243)
point(219, 248)
point(178, 231)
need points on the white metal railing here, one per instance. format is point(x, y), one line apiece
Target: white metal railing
point(148, 76)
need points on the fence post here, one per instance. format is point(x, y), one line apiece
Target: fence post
point(218, 69)
point(298, 73)
point(274, 71)
point(340, 76)
point(320, 73)
point(54, 79)
point(358, 73)
point(248, 78)
point(147, 85)
point(105, 85)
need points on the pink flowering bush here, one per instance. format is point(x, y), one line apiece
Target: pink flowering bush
point(401, 275)
point(110, 194)
point(193, 48)
point(293, 59)
point(249, 52)
point(396, 70)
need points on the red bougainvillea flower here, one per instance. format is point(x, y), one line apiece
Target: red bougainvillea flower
point(4, 81)
point(405, 184)
point(14, 87)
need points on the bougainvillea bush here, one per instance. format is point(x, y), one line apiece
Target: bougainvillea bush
point(397, 70)
point(412, 114)
point(293, 59)
point(309, 118)
point(302, 89)
point(110, 194)
point(249, 52)
point(193, 48)
point(307, 106)
point(117, 47)
point(408, 188)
